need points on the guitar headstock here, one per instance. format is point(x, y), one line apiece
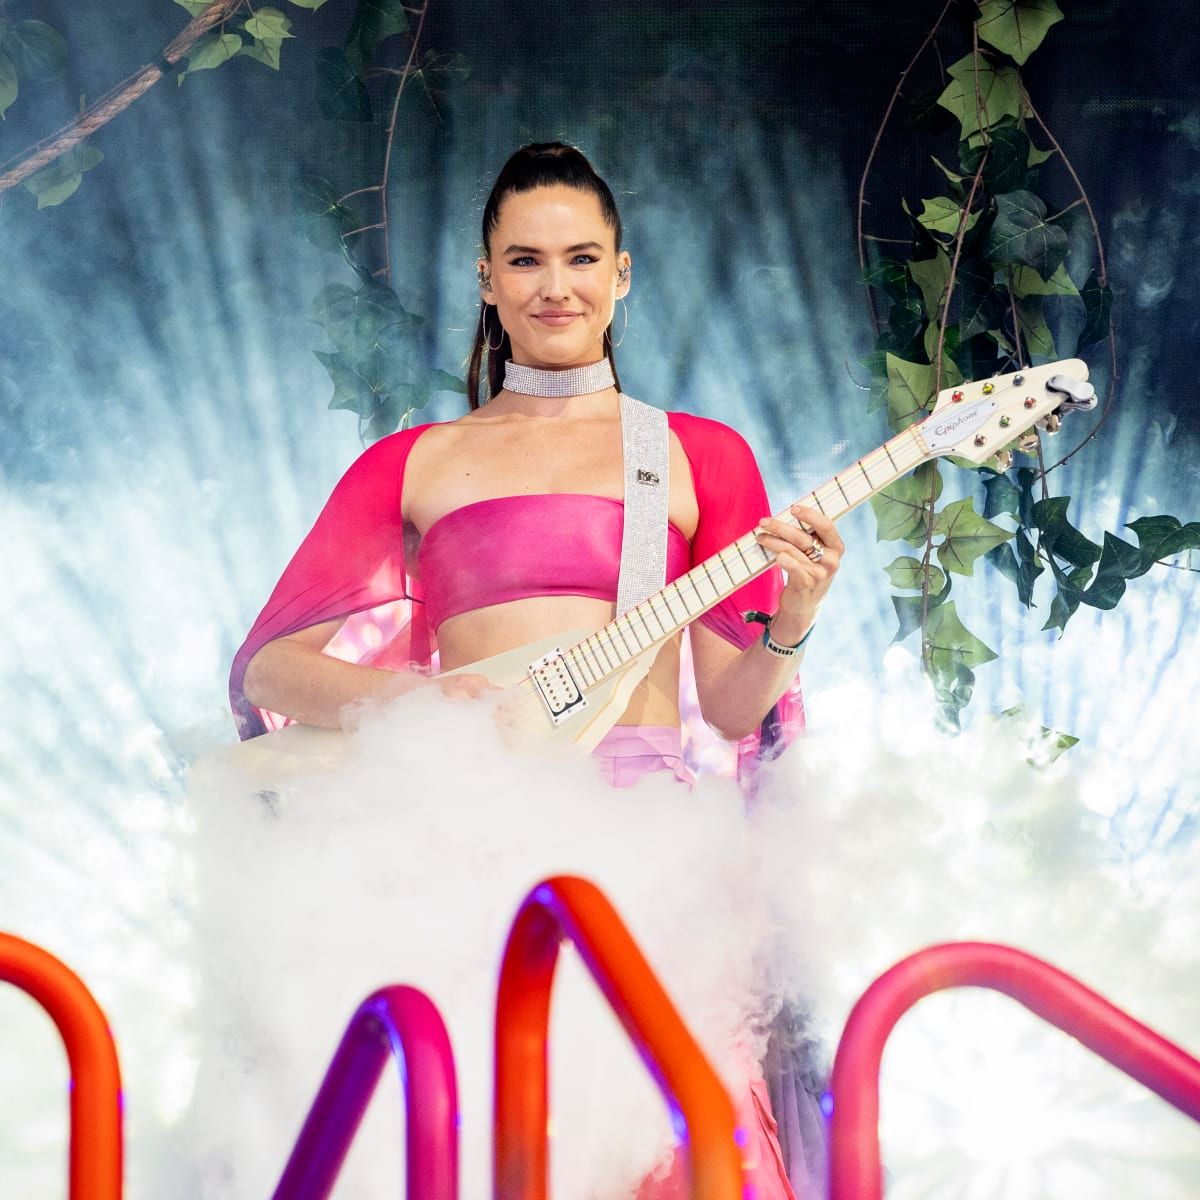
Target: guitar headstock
point(978, 420)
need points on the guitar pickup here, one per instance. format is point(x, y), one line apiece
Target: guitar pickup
point(558, 688)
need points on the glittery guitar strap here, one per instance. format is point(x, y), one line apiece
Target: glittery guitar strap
point(646, 449)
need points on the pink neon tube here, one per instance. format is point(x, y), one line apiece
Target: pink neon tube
point(95, 1154)
point(394, 1022)
point(854, 1167)
point(567, 907)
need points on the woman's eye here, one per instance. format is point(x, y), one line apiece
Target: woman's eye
point(525, 258)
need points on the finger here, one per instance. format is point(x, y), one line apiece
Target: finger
point(826, 530)
point(830, 559)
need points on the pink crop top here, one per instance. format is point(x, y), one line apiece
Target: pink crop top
point(511, 547)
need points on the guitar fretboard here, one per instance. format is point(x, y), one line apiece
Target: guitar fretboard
point(664, 614)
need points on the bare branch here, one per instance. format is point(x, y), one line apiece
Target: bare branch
point(862, 183)
point(99, 113)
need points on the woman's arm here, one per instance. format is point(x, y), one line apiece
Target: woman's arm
point(736, 688)
point(292, 676)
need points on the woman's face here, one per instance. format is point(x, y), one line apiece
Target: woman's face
point(553, 253)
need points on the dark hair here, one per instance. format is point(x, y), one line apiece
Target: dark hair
point(538, 164)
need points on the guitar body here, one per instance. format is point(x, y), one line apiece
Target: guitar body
point(298, 750)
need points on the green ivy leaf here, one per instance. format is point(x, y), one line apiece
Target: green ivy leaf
point(998, 89)
point(264, 50)
point(356, 384)
point(340, 91)
point(194, 7)
point(904, 322)
point(1020, 568)
point(931, 276)
point(374, 21)
point(910, 391)
point(8, 84)
point(892, 278)
point(942, 215)
point(1001, 495)
point(1035, 333)
point(323, 220)
point(909, 608)
point(210, 52)
point(1047, 744)
point(953, 176)
point(1119, 561)
point(1163, 537)
point(1027, 282)
point(967, 536)
point(982, 308)
point(268, 25)
point(1066, 599)
point(1097, 307)
point(1059, 536)
point(1037, 157)
point(310, 4)
point(37, 52)
point(58, 181)
point(947, 635)
point(1021, 234)
point(1007, 157)
point(443, 381)
point(1016, 26)
point(907, 575)
point(901, 512)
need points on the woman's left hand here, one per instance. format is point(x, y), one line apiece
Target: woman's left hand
point(810, 554)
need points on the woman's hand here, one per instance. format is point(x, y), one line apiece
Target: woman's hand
point(465, 687)
point(810, 554)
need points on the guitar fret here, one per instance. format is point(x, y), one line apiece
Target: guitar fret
point(607, 649)
point(867, 477)
point(575, 659)
point(648, 605)
point(721, 564)
point(641, 616)
point(842, 490)
point(699, 605)
point(703, 567)
point(679, 597)
point(729, 570)
point(817, 502)
point(618, 627)
point(594, 661)
point(663, 625)
point(888, 452)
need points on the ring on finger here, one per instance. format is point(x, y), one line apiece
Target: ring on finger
point(816, 551)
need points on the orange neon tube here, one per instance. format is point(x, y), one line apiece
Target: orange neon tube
point(568, 907)
point(95, 1153)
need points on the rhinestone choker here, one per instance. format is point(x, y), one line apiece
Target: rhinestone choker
point(571, 381)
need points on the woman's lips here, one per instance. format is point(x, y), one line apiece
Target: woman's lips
point(548, 320)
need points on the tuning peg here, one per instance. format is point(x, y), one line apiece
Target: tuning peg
point(1028, 442)
point(1003, 460)
point(1078, 392)
point(1051, 422)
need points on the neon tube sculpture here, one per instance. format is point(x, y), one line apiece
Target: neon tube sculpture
point(854, 1167)
point(95, 1147)
point(567, 907)
point(394, 1022)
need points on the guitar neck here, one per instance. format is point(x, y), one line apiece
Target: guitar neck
point(661, 616)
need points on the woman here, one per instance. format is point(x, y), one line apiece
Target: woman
point(504, 526)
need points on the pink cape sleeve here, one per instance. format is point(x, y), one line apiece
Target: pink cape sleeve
point(352, 562)
point(732, 498)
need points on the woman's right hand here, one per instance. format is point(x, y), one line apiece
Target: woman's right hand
point(465, 687)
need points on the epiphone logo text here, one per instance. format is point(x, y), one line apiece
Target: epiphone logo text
point(970, 416)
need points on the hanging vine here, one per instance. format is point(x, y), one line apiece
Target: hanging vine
point(987, 273)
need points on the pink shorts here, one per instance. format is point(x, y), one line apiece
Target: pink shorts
point(627, 752)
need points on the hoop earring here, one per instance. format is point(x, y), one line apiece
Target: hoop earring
point(624, 328)
point(487, 337)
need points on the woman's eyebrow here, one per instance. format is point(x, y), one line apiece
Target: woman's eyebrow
point(568, 250)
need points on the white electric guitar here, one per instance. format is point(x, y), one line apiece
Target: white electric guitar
point(575, 686)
